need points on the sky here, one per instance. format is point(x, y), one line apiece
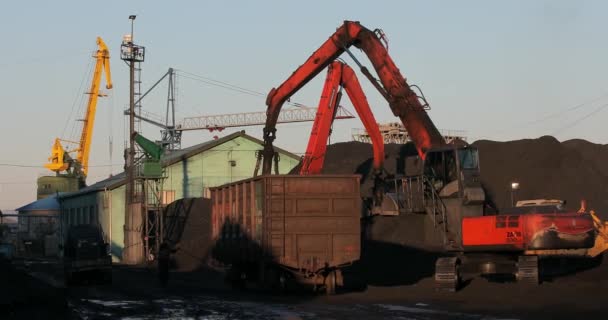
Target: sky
point(499, 70)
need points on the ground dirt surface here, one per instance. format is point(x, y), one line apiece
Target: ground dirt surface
point(391, 281)
point(202, 294)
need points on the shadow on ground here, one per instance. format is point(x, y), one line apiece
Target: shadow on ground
point(25, 297)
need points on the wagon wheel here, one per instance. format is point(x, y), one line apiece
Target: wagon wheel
point(283, 281)
point(330, 283)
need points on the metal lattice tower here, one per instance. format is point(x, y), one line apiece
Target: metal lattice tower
point(171, 136)
point(142, 198)
point(172, 128)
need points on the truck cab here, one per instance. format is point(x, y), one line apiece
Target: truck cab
point(86, 255)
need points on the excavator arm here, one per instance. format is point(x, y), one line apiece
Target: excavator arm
point(403, 101)
point(312, 163)
point(340, 74)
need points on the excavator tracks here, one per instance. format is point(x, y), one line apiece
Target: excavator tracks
point(527, 270)
point(447, 274)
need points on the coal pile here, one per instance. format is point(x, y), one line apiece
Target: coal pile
point(357, 157)
point(188, 228)
point(545, 168)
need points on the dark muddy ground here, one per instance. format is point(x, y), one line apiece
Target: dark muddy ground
point(390, 282)
point(202, 294)
point(25, 297)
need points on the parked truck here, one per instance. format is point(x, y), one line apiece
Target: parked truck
point(282, 229)
point(86, 255)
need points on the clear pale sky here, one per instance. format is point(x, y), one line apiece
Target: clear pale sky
point(488, 67)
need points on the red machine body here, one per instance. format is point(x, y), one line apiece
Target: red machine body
point(533, 231)
point(339, 75)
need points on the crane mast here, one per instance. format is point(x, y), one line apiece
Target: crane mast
point(60, 160)
point(102, 64)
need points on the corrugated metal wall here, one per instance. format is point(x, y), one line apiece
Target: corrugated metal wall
point(231, 161)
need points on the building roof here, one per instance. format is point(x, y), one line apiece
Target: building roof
point(47, 204)
point(179, 155)
point(109, 183)
point(171, 158)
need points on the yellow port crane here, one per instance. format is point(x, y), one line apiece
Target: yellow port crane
point(60, 160)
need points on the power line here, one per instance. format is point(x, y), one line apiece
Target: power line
point(228, 86)
point(579, 120)
point(237, 89)
point(78, 97)
point(554, 115)
point(223, 83)
point(43, 59)
point(16, 165)
point(564, 111)
point(16, 182)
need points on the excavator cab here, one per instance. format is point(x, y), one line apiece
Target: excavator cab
point(453, 172)
point(445, 185)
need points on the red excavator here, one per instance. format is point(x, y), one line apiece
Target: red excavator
point(340, 75)
point(440, 198)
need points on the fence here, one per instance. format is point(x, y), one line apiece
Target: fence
point(32, 236)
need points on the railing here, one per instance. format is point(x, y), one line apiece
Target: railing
point(408, 191)
point(430, 198)
point(395, 132)
point(436, 204)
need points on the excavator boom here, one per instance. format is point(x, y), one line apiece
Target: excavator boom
point(404, 102)
point(357, 97)
point(340, 74)
point(312, 163)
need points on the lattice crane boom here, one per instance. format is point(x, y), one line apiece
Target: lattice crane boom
point(221, 121)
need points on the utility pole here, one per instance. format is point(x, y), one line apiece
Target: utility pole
point(133, 251)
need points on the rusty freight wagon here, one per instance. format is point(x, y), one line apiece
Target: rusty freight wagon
point(279, 229)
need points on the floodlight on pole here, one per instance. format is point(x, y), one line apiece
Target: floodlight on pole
point(514, 188)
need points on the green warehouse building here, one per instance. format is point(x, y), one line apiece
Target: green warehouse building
point(189, 172)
